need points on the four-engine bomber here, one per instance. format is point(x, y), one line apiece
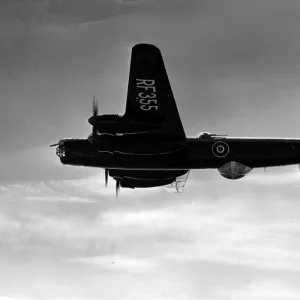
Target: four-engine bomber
point(147, 146)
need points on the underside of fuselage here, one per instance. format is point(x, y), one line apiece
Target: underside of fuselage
point(232, 157)
point(197, 154)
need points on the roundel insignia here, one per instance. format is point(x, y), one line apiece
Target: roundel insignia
point(220, 149)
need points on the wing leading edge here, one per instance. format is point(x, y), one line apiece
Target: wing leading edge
point(150, 96)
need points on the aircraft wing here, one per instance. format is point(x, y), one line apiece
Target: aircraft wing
point(149, 96)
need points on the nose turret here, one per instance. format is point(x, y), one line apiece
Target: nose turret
point(60, 150)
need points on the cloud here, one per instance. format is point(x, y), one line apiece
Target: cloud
point(61, 13)
point(67, 212)
point(170, 236)
point(118, 263)
point(133, 2)
point(51, 12)
point(259, 256)
point(274, 289)
point(275, 179)
point(15, 298)
point(82, 210)
point(232, 230)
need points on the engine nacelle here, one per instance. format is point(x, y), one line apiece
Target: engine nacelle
point(234, 170)
point(113, 124)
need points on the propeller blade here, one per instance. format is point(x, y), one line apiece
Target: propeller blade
point(106, 177)
point(94, 130)
point(95, 107)
point(117, 187)
point(95, 113)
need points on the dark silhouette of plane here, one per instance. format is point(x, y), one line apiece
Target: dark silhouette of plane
point(147, 146)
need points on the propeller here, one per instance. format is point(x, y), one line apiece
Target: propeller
point(95, 113)
point(95, 107)
point(118, 186)
point(106, 177)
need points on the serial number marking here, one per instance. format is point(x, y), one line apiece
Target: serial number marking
point(146, 98)
point(143, 95)
point(148, 101)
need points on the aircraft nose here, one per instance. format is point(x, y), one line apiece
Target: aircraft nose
point(61, 150)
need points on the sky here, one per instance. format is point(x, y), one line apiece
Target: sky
point(234, 66)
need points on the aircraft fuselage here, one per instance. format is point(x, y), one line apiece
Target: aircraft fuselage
point(197, 154)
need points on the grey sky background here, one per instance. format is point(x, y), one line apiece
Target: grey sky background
point(234, 68)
